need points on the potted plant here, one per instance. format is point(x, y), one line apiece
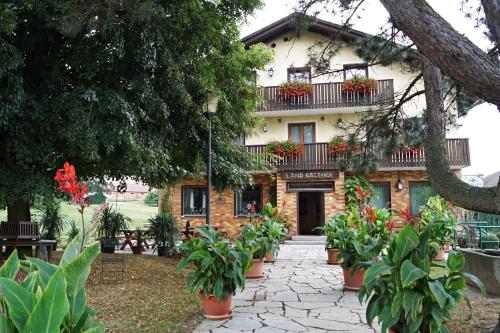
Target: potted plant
point(51, 221)
point(271, 232)
point(110, 223)
point(359, 84)
point(276, 214)
point(293, 91)
point(138, 248)
point(253, 239)
point(217, 270)
point(331, 230)
point(163, 228)
point(407, 292)
point(285, 149)
point(339, 146)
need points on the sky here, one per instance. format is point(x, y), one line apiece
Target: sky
point(481, 125)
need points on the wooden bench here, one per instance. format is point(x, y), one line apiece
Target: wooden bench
point(24, 236)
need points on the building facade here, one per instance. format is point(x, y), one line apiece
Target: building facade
point(310, 186)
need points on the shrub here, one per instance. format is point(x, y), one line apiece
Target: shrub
point(489, 237)
point(408, 292)
point(73, 230)
point(50, 298)
point(151, 199)
point(111, 222)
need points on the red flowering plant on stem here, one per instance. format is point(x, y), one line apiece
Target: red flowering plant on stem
point(67, 180)
point(359, 84)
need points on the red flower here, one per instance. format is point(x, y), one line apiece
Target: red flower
point(371, 216)
point(390, 225)
point(407, 217)
point(276, 211)
point(66, 177)
point(359, 191)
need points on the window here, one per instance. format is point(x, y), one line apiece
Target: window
point(302, 133)
point(194, 199)
point(299, 74)
point(247, 197)
point(381, 195)
point(352, 70)
point(419, 194)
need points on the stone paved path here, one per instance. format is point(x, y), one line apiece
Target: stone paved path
point(300, 293)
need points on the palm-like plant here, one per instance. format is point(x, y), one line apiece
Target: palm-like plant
point(163, 228)
point(51, 221)
point(111, 223)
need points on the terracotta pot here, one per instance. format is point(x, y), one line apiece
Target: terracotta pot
point(354, 281)
point(333, 254)
point(269, 257)
point(441, 255)
point(257, 270)
point(446, 247)
point(215, 309)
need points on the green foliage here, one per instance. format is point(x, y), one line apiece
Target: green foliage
point(151, 199)
point(73, 230)
point(111, 222)
point(217, 267)
point(50, 298)
point(51, 220)
point(438, 211)
point(489, 241)
point(123, 94)
point(410, 293)
point(252, 238)
point(97, 191)
point(272, 231)
point(275, 214)
point(163, 228)
point(331, 229)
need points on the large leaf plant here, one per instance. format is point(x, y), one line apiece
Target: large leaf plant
point(51, 298)
point(218, 268)
point(408, 292)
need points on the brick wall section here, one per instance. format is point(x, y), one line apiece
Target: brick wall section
point(222, 206)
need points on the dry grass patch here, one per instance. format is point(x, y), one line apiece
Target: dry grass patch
point(485, 314)
point(152, 297)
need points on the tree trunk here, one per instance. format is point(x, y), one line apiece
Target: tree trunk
point(451, 51)
point(18, 210)
point(492, 14)
point(165, 199)
point(442, 179)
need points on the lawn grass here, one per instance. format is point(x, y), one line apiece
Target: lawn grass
point(136, 210)
point(152, 297)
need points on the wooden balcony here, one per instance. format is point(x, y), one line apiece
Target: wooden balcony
point(325, 96)
point(316, 156)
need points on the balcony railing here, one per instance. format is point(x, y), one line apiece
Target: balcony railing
point(316, 156)
point(325, 96)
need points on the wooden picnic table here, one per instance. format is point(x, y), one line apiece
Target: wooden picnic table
point(129, 235)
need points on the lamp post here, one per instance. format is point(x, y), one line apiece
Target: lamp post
point(209, 108)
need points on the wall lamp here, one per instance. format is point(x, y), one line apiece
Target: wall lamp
point(270, 71)
point(340, 123)
point(399, 184)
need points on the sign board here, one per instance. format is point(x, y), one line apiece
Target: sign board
point(311, 175)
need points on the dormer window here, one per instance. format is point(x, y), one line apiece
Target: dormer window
point(351, 70)
point(299, 74)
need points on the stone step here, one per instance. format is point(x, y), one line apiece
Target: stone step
point(309, 238)
point(292, 242)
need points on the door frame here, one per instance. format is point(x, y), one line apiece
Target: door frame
point(302, 123)
point(322, 213)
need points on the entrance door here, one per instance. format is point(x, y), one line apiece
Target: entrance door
point(311, 212)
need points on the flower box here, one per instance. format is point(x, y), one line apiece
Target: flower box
point(292, 91)
point(360, 85)
point(285, 149)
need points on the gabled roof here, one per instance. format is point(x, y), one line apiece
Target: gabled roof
point(288, 23)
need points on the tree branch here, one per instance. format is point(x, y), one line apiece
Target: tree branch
point(492, 13)
point(444, 181)
point(452, 52)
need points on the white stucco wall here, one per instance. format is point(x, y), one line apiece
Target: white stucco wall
point(294, 53)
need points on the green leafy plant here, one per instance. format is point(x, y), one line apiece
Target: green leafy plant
point(408, 292)
point(438, 211)
point(217, 267)
point(163, 228)
point(50, 298)
point(51, 220)
point(253, 239)
point(276, 214)
point(73, 230)
point(491, 241)
point(151, 198)
point(356, 189)
point(331, 229)
point(272, 233)
point(111, 222)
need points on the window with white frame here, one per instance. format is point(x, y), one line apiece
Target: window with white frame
point(194, 200)
point(248, 198)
